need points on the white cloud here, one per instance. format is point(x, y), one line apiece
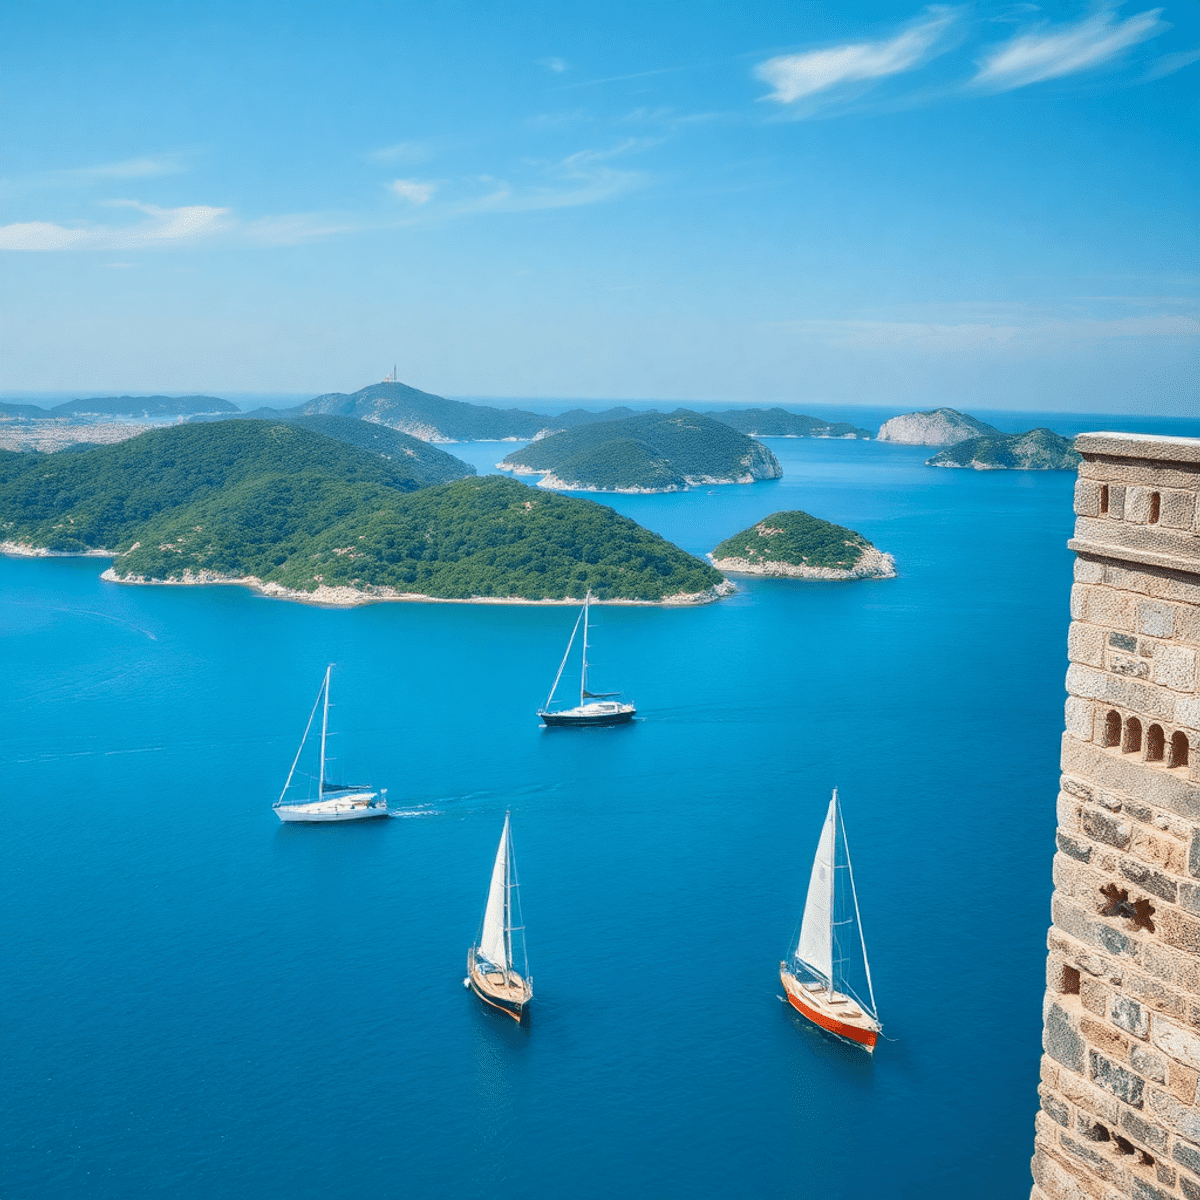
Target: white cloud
point(1052, 51)
point(557, 65)
point(795, 76)
point(164, 226)
point(412, 190)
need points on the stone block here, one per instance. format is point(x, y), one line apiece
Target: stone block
point(1154, 994)
point(1153, 848)
point(1187, 1156)
point(1123, 641)
point(1179, 931)
point(1178, 509)
point(1055, 1107)
point(1116, 501)
point(1130, 668)
point(1148, 879)
point(1061, 1040)
point(1078, 850)
point(1085, 644)
point(1155, 618)
point(1088, 682)
point(1148, 1064)
point(1087, 497)
point(1181, 1118)
point(1144, 1132)
point(1187, 713)
point(1100, 1105)
point(1137, 505)
point(1181, 1082)
point(1123, 1084)
point(1108, 607)
point(1059, 1182)
point(1079, 718)
point(1093, 995)
point(1189, 897)
point(1129, 1015)
point(1164, 1174)
point(1190, 1190)
point(1111, 1041)
point(1088, 570)
point(1175, 668)
point(1173, 1040)
point(1100, 827)
point(1086, 1152)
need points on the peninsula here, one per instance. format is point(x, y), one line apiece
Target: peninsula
point(1037, 450)
point(796, 545)
point(294, 513)
point(653, 452)
point(938, 427)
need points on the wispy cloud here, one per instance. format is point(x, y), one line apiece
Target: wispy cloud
point(1050, 52)
point(145, 166)
point(400, 152)
point(557, 65)
point(412, 190)
point(797, 76)
point(1170, 63)
point(162, 227)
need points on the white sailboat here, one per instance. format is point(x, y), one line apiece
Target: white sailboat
point(815, 973)
point(492, 972)
point(594, 708)
point(335, 801)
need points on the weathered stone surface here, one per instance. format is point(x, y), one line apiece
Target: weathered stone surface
point(1129, 1015)
point(1055, 1108)
point(1085, 644)
point(1179, 931)
point(1058, 1182)
point(1187, 1156)
point(1148, 1064)
point(1122, 1083)
point(1102, 828)
point(1175, 667)
point(1123, 641)
point(1076, 849)
point(1181, 1082)
point(1093, 996)
point(1154, 882)
point(1112, 1041)
point(1181, 1044)
point(1061, 1040)
point(1181, 1118)
point(1155, 618)
point(1146, 1133)
point(1134, 668)
point(1141, 1190)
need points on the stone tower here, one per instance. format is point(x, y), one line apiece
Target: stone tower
point(1119, 1113)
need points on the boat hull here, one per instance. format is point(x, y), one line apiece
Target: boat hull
point(511, 1000)
point(863, 1032)
point(589, 716)
point(324, 812)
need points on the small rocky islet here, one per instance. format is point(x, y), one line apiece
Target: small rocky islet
point(796, 545)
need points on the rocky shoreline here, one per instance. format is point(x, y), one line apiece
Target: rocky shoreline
point(348, 597)
point(872, 564)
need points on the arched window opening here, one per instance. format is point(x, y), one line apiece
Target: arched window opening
point(1156, 743)
point(1155, 507)
point(1112, 728)
point(1097, 1133)
point(1124, 1145)
point(1104, 499)
point(1132, 743)
point(1179, 750)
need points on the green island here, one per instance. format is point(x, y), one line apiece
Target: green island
point(653, 452)
point(796, 545)
point(294, 513)
point(1037, 450)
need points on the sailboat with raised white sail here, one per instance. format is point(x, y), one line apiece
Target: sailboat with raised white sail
point(816, 973)
point(492, 962)
point(594, 708)
point(334, 801)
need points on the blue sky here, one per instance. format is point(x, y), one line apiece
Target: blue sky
point(802, 203)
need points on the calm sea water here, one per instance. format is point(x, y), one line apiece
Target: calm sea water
point(198, 1002)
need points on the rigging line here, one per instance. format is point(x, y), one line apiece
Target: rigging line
point(562, 665)
point(304, 739)
point(858, 918)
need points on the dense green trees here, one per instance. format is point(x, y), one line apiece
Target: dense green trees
point(654, 451)
point(285, 504)
point(798, 538)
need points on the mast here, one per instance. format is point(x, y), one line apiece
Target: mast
point(303, 740)
point(583, 673)
point(324, 732)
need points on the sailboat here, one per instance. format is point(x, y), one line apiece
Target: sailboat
point(814, 974)
point(335, 801)
point(594, 708)
point(492, 962)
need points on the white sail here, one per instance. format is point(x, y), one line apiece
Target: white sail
point(815, 947)
point(493, 942)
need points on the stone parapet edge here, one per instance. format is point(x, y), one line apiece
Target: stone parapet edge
point(1148, 558)
point(1156, 447)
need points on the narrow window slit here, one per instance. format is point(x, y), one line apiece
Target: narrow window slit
point(1155, 743)
point(1155, 507)
point(1104, 499)
point(1179, 750)
point(1069, 985)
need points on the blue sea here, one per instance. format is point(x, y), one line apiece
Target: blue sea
point(196, 1001)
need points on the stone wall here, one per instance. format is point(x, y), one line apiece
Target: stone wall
point(1119, 1114)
